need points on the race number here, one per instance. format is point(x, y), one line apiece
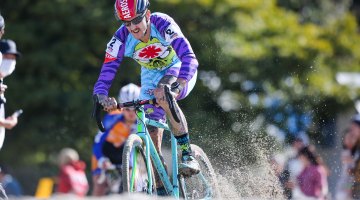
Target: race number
point(172, 32)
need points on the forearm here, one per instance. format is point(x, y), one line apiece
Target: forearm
point(106, 77)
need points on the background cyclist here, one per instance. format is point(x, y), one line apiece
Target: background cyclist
point(108, 146)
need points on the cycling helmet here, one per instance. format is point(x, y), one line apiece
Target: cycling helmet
point(129, 92)
point(67, 155)
point(127, 9)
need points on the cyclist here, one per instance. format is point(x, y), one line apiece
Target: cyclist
point(108, 146)
point(156, 42)
point(7, 66)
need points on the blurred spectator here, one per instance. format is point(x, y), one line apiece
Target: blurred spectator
point(313, 178)
point(354, 130)
point(72, 178)
point(343, 186)
point(7, 66)
point(10, 122)
point(10, 184)
point(9, 56)
point(2, 27)
point(293, 167)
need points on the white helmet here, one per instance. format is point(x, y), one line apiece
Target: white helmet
point(129, 92)
point(67, 155)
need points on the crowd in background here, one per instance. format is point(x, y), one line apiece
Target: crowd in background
point(348, 185)
point(301, 171)
point(303, 174)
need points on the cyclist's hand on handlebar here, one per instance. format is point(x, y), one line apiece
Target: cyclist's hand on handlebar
point(109, 103)
point(178, 86)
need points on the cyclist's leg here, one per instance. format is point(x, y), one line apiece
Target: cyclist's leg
point(189, 165)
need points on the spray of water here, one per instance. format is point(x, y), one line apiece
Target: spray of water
point(241, 162)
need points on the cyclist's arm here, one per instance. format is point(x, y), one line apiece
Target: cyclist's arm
point(113, 58)
point(172, 34)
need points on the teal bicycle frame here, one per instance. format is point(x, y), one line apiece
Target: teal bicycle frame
point(150, 152)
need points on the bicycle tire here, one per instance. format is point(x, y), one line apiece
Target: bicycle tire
point(195, 187)
point(134, 144)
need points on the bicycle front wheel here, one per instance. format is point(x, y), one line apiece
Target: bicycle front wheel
point(204, 184)
point(135, 176)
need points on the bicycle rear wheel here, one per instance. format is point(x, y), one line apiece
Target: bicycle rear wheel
point(134, 171)
point(204, 184)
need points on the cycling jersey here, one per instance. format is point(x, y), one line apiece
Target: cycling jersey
point(167, 52)
point(110, 143)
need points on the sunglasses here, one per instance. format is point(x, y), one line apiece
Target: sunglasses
point(135, 21)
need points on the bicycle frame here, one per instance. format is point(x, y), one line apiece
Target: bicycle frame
point(172, 188)
point(151, 152)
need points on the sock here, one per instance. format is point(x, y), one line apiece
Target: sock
point(161, 191)
point(184, 143)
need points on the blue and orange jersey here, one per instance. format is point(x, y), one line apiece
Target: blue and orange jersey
point(110, 143)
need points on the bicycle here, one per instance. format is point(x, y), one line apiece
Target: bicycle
point(140, 158)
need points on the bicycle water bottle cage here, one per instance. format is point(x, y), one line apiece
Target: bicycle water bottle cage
point(97, 113)
point(171, 102)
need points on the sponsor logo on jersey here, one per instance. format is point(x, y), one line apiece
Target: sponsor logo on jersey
point(109, 58)
point(151, 51)
point(150, 92)
point(153, 55)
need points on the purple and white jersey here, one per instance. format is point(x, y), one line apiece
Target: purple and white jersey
point(167, 52)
